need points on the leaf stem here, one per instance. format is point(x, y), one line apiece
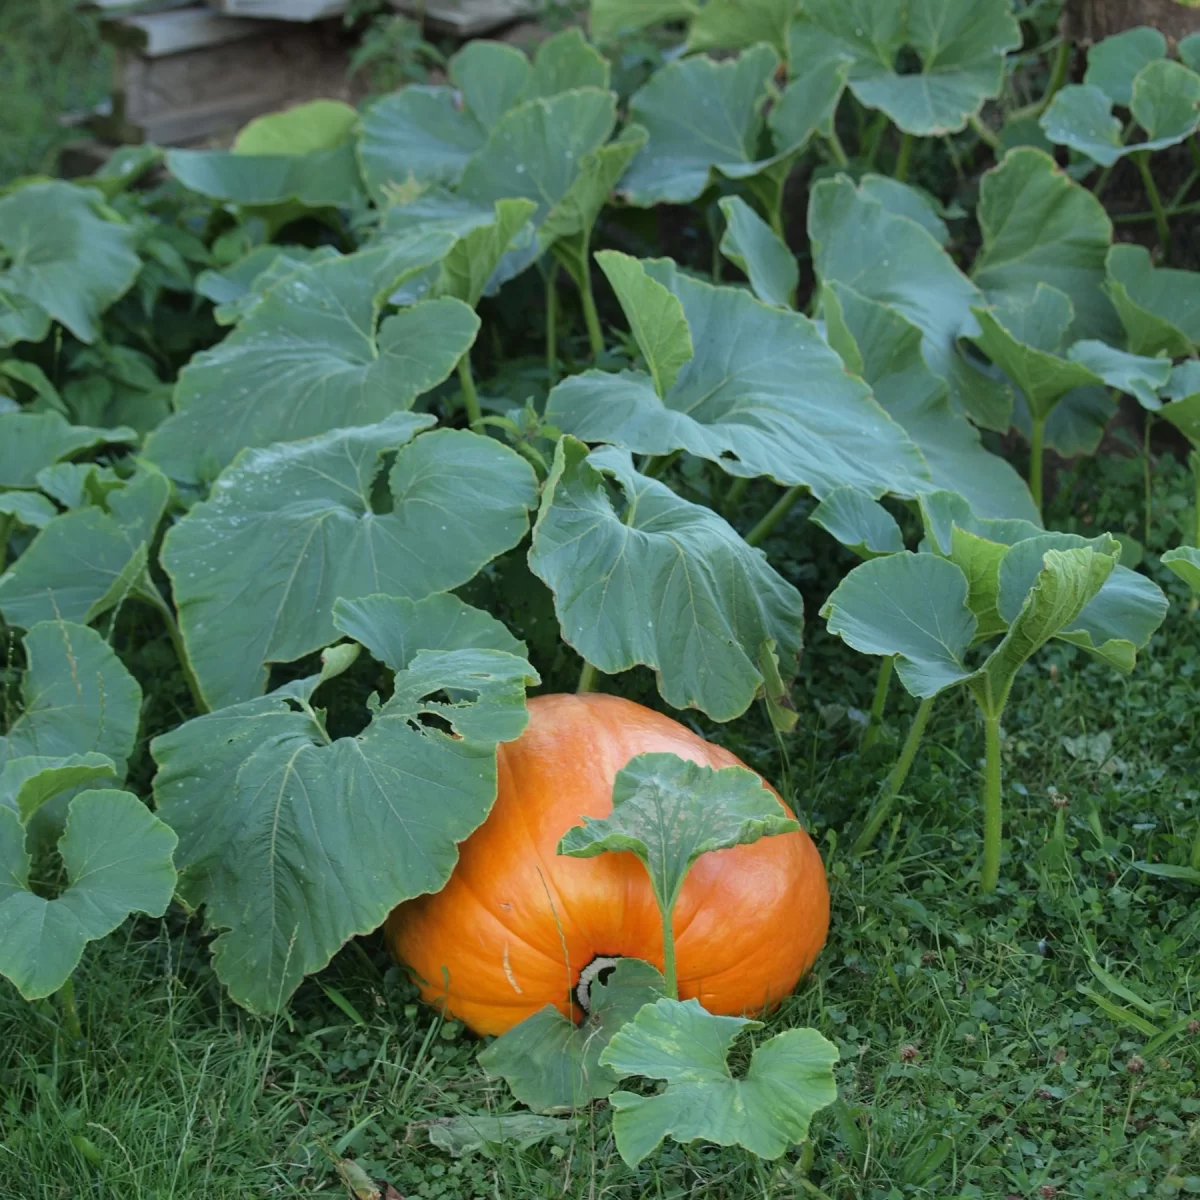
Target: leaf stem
point(984, 134)
point(871, 736)
point(587, 678)
point(871, 139)
point(1036, 455)
point(993, 805)
point(5, 530)
point(1058, 75)
point(668, 929)
point(470, 395)
point(1178, 210)
point(552, 323)
point(591, 317)
point(1147, 477)
point(902, 159)
point(1142, 159)
point(153, 596)
point(66, 1000)
point(712, 220)
point(734, 494)
point(896, 777)
point(774, 515)
point(836, 150)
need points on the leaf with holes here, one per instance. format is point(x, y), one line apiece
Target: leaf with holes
point(118, 860)
point(349, 835)
point(301, 516)
point(660, 581)
point(312, 357)
point(767, 1111)
point(762, 394)
point(550, 1063)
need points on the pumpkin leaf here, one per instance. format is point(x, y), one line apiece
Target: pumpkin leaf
point(67, 269)
point(860, 523)
point(1080, 116)
point(880, 344)
point(117, 856)
point(240, 286)
point(655, 316)
point(790, 1078)
point(810, 101)
point(734, 24)
point(701, 116)
point(394, 629)
point(31, 441)
point(1040, 227)
point(960, 47)
point(76, 698)
point(1135, 375)
point(324, 178)
point(286, 903)
point(1159, 307)
point(303, 513)
point(896, 262)
point(1185, 562)
point(756, 250)
point(1113, 64)
point(27, 783)
point(474, 1132)
point(86, 561)
point(27, 508)
point(609, 19)
point(659, 581)
point(737, 401)
point(913, 606)
point(550, 1063)
point(312, 357)
point(667, 812)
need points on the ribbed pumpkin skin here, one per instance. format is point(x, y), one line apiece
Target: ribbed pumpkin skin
point(494, 945)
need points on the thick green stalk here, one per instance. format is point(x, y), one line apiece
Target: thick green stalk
point(774, 515)
point(872, 138)
point(668, 928)
point(1142, 158)
point(871, 736)
point(993, 806)
point(5, 529)
point(836, 150)
point(733, 496)
point(591, 317)
point(1147, 478)
point(470, 395)
point(152, 595)
point(903, 158)
point(1036, 454)
point(66, 999)
point(552, 323)
point(587, 678)
point(1058, 75)
point(895, 780)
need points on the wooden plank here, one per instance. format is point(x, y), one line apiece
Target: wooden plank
point(466, 18)
point(161, 34)
point(282, 10)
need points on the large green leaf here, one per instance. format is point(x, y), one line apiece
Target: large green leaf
point(63, 257)
point(859, 523)
point(239, 287)
point(661, 582)
point(1166, 103)
point(30, 441)
point(550, 1063)
point(294, 844)
point(701, 115)
point(31, 509)
point(897, 262)
point(76, 698)
point(310, 358)
point(1185, 562)
point(86, 561)
point(881, 345)
point(394, 629)
point(117, 856)
point(1113, 64)
point(1133, 374)
point(425, 135)
point(667, 812)
point(1159, 307)
point(1040, 227)
point(290, 529)
point(762, 395)
point(961, 48)
point(790, 1078)
point(913, 606)
point(608, 19)
point(27, 783)
point(326, 178)
point(734, 24)
point(655, 316)
point(758, 251)
point(1080, 116)
point(301, 129)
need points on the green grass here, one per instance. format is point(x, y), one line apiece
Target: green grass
point(51, 62)
point(975, 1063)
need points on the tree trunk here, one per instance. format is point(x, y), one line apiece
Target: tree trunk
point(1088, 21)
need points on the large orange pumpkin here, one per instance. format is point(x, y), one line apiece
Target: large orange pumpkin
point(517, 924)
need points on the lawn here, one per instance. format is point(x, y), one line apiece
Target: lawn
point(409, 404)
